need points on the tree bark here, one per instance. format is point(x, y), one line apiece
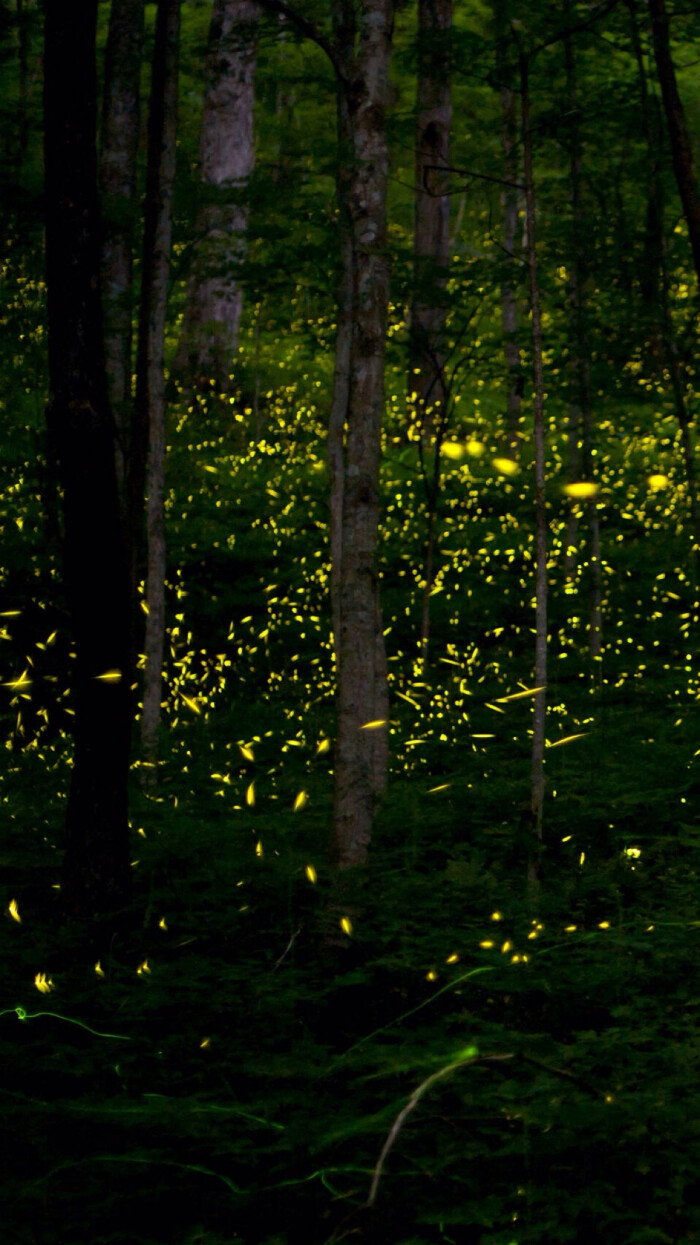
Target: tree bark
point(209, 333)
point(431, 238)
point(655, 287)
point(537, 783)
point(120, 136)
point(149, 426)
point(679, 138)
point(343, 344)
point(361, 745)
point(581, 405)
point(96, 878)
point(509, 204)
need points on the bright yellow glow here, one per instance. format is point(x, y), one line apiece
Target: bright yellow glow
point(346, 924)
point(99, 969)
point(452, 449)
point(505, 466)
point(23, 681)
point(581, 489)
point(110, 676)
point(475, 449)
point(657, 482)
point(250, 795)
point(496, 916)
point(14, 911)
point(191, 703)
point(528, 691)
point(43, 983)
point(374, 725)
point(247, 752)
point(431, 976)
point(311, 874)
point(259, 849)
point(143, 968)
point(162, 924)
point(323, 746)
point(300, 801)
point(486, 944)
point(567, 740)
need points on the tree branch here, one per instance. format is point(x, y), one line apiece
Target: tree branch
point(307, 28)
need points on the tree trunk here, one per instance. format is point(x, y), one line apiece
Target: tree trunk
point(149, 424)
point(539, 711)
point(679, 138)
point(361, 744)
point(209, 334)
point(655, 286)
point(581, 405)
point(343, 353)
point(431, 240)
point(509, 204)
point(96, 879)
point(120, 136)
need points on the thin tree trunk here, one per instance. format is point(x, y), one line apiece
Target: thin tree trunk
point(509, 204)
point(120, 136)
point(209, 334)
point(23, 68)
point(431, 239)
point(361, 745)
point(655, 285)
point(343, 338)
point(96, 878)
point(432, 494)
point(150, 388)
point(539, 710)
point(679, 138)
point(581, 405)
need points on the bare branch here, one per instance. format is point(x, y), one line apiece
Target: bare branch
point(307, 28)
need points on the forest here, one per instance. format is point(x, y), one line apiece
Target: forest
point(350, 854)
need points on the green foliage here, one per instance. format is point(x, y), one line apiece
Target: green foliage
point(237, 1065)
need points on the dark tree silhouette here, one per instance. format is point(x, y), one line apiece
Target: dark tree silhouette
point(96, 871)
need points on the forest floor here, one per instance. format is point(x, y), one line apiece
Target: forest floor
point(464, 1061)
